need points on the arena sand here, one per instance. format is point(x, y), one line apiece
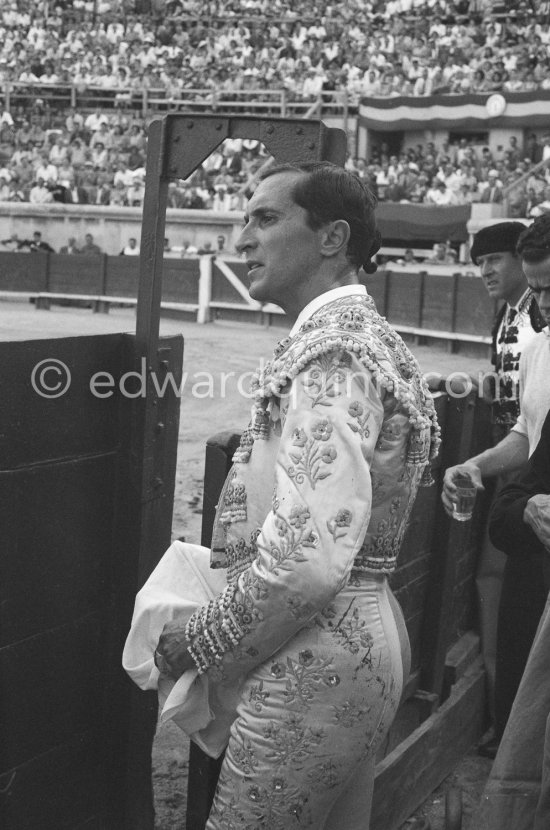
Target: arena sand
point(218, 359)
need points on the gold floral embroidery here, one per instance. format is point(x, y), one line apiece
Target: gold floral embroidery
point(325, 775)
point(350, 632)
point(291, 740)
point(357, 412)
point(312, 455)
point(243, 752)
point(304, 676)
point(349, 713)
point(324, 378)
point(276, 806)
point(292, 534)
point(336, 527)
point(258, 697)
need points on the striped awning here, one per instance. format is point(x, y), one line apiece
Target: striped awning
point(410, 222)
point(464, 112)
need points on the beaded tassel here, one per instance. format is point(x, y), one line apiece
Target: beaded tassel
point(244, 450)
point(427, 479)
point(417, 452)
point(260, 422)
point(234, 509)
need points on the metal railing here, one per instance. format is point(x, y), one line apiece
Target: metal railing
point(149, 102)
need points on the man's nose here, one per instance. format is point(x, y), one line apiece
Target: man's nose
point(245, 241)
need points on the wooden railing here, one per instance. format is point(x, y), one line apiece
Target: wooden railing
point(150, 101)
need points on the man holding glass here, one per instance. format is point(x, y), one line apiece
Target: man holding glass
point(523, 594)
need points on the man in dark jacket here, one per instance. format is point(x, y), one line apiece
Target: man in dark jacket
point(517, 323)
point(517, 793)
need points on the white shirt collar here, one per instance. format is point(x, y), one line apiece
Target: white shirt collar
point(328, 297)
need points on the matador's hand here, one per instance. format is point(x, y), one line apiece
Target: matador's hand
point(171, 654)
point(537, 516)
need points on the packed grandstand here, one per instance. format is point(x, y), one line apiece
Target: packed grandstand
point(72, 76)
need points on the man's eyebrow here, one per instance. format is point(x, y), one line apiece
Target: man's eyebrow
point(260, 211)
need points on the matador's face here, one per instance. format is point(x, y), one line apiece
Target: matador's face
point(282, 251)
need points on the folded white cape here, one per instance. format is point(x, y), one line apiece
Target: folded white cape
point(181, 582)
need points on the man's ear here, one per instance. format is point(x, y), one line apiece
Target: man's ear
point(335, 237)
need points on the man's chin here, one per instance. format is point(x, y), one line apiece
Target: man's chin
point(256, 292)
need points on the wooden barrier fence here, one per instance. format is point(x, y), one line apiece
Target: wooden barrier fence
point(452, 308)
point(86, 514)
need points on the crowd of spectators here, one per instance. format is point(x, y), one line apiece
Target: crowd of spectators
point(366, 47)
point(99, 159)
point(462, 173)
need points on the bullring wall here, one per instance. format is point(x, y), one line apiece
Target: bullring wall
point(452, 307)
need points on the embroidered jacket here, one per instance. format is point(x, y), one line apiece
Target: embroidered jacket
point(322, 485)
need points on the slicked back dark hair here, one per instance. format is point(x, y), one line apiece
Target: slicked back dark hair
point(328, 193)
point(534, 242)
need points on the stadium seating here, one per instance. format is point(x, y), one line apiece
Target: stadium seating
point(79, 85)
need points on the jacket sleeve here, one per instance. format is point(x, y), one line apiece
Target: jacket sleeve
point(320, 511)
point(521, 424)
point(507, 530)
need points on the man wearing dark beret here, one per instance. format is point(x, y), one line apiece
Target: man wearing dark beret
point(517, 321)
point(516, 324)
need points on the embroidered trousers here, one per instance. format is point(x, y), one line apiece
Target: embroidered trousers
point(310, 719)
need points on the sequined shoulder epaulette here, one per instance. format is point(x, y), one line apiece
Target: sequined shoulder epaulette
point(353, 325)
